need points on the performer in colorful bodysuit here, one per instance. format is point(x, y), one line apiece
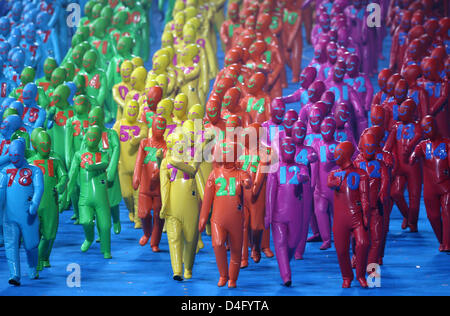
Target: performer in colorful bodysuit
point(55, 180)
point(403, 138)
point(180, 198)
point(131, 131)
point(351, 211)
point(90, 164)
point(224, 193)
point(285, 206)
point(21, 190)
point(146, 179)
point(433, 151)
point(111, 144)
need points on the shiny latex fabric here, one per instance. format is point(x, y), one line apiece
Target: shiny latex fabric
point(193, 74)
point(180, 202)
point(359, 81)
point(55, 179)
point(48, 35)
point(386, 159)
point(76, 128)
point(137, 84)
point(292, 37)
point(381, 95)
point(313, 136)
point(230, 106)
point(114, 75)
point(379, 185)
point(257, 102)
point(273, 126)
point(146, 179)
point(396, 97)
point(8, 129)
point(104, 48)
point(34, 116)
point(218, 16)
point(306, 78)
point(110, 143)
point(264, 33)
point(59, 24)
point(438, 93)
point(313, 95)
point(89, 166)
point(345, 93)
point(273, 57)
point(224, 194)
point(284, 206)
point(399, 43)
point(27, 76)
point(415, 91)
point(404, 136)
point(97, 83)
point(33, 51)
point(351, 211)
point(344, 123)
point(323, 196)
point(307, 156)
point(227, 29)
point(60, 113)
point(357, 17)
point(148, 109)
point(254, 198)
point(433, 152)
point(207, 44)
point(21, 190)
point(121, 89)
point(131, 132)
point(139, 25)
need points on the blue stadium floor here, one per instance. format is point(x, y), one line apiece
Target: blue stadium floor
point(412, 265)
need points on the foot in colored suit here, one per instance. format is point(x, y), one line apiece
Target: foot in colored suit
point(222, 282)
point(314, 238)
point(144, 240)
point(363, 282)
point(268, 252)
point(346, 284)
